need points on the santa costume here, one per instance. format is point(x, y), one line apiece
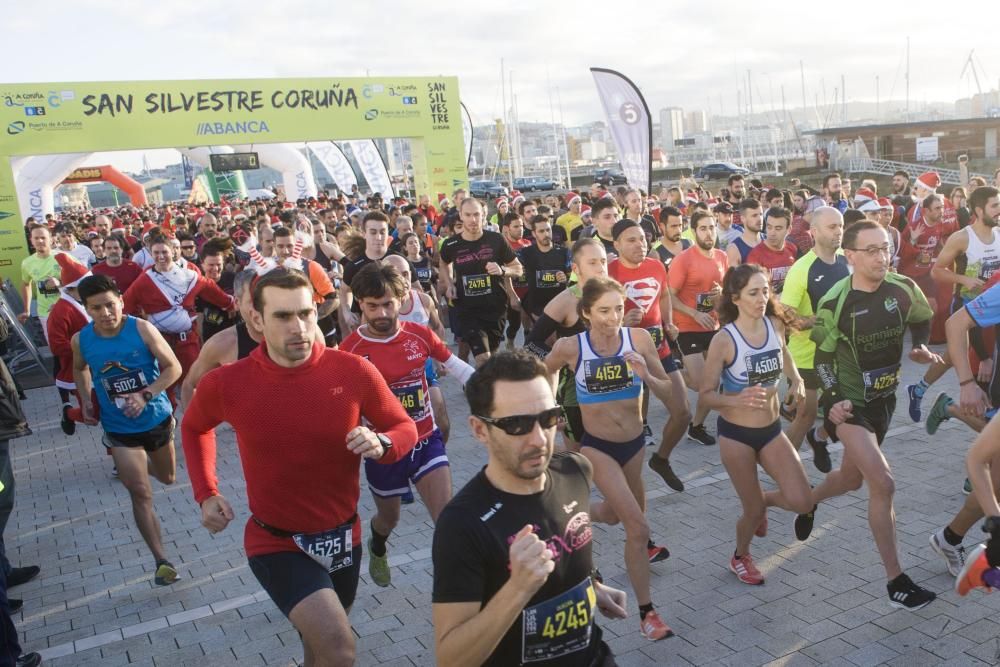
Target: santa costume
point(66, 318)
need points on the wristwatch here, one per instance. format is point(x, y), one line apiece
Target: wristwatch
point(385, 441)
point(147, 395)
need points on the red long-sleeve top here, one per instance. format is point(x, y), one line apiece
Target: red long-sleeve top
point(291, 427)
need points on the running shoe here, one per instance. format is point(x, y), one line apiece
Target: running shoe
point(967, 487)
point(114, 471)
point(904, 594)
point(653, 627)
point(166, 574)
point(700, 435)
point(762, 527)
point(788, 411)
point(821, 452)
point(32, 659)
point(68, 425)
point(407, 498)
point(954, 556)
point(745, 570)
point(938, 413)
point(804, 525)
point(661, 467)
point(22, 575)
point(15, 605)
point(378, 567)
point(915, 398)
point(647, 433)
point(971, 575)
point(656, 553)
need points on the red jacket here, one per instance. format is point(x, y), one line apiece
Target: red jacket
point(147, 297)
point(66, 318)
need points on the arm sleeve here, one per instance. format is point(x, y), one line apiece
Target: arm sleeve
point(543, 328)
point(824, 333)
point(213, 294)
point(320, 281)
point(205, 412)
point(461, 370)
point(385, 413)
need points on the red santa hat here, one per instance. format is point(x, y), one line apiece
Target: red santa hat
point(607, 195)
point(225, 210)
point(500, 200)
point(518, 198)
point(572, 197)
point(71, 272)
point(930, 180)
point(885, 203)
point(863, 195)
point(870, 205)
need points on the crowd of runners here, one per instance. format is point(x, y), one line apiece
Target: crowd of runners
point(321, 330)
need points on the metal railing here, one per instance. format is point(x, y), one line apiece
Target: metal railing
point(889, 167)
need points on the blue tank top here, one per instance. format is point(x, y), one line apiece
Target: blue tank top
point(119, 365)
point(743, 247)
point(752, 366)
point(601, 379)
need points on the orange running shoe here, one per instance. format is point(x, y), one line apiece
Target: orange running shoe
point(971, 575)
point(745, 570)
point(653, 627)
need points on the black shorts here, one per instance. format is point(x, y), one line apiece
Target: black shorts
point(753, 437)
point(481, 334)
point(694, 342)
point(289, 577)
point(874, 417)
point(810, 378)
point(155, 438)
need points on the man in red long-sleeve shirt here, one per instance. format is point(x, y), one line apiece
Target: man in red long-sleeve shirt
point(301, 443)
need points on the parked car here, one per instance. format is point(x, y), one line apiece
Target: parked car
point(716, 170)
point(486, 189)
point(535, 184)
point(610, 177)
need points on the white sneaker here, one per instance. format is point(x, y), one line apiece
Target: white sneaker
point(953, 556)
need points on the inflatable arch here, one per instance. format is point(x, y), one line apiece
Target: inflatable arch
point(136, 193)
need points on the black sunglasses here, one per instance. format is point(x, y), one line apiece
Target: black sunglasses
point(521, 424)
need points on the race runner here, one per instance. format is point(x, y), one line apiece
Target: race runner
point(648, 306)
point(859, 337)
point(982, 569)
point(610, 363)
point(129, 366)
point(400, 351)
point(513, 566)
point(303, 539)
point(749, 361)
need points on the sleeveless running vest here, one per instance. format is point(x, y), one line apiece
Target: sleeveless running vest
point(752, 366)
point(981, 260)
point(602, 379)
point(417, 313)
point(244, 343)
point(119, 365)
point(743, 247)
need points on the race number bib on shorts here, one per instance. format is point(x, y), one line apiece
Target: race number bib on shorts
point(477, 285)
point(764, 368)
point(546, 278)
point(705, 302)
point(125, 383)
point(331, 548)
point(606, 374)
point(881, 382)
point(412, 398)
point(560, 625)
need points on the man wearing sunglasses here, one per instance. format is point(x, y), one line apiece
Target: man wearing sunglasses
point(400, 351)
point(859, 345)
point(512, 551)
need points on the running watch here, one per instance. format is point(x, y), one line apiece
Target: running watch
point(147, 396)
point(385, 441)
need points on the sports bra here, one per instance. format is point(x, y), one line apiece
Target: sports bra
point(752, 366)
point(602, 379)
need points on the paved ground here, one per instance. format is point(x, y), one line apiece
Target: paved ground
point(823, 603)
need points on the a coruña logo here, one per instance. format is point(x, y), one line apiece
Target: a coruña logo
point(371, 114)
point(17, 127)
